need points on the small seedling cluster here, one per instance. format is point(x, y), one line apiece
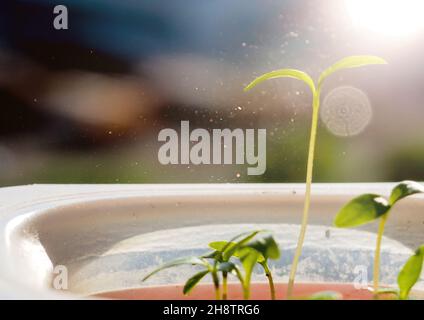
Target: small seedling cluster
point(237, 257)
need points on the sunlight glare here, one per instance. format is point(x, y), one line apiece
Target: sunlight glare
point(388, 17)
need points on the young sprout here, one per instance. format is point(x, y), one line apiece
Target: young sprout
point(369, 207)
point(410, 273)
point(224, 250)
point(220, 264)
point(346, 63)
point(250, 254)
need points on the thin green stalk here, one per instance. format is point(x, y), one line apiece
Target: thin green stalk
point(309, 175)
point(216, 285)
point(376, 272)
point(240, 277)
point(224, 286)
point(270, 280)
point(246, 292)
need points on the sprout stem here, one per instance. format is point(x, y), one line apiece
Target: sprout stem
point(246, 285)
point(224, 286)
point(376, 272)
point(270, 280)
point(246, 292)
point(216, 285)
point(309, 175)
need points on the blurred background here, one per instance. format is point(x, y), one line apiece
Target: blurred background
point(85, 105)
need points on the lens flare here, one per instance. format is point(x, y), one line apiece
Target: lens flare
point(346, 111)
point(388, 17)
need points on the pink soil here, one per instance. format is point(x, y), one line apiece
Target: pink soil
point(259, 291)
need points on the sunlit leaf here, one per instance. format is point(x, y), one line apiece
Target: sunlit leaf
point(405, 189)
point(218, 245)
point(386, 293)
point(361, 210)
point(230, 249)
point(226, 267)
point(350, 62)
point(283, 73)
point(248, 258)
point(267, 246)
point(177, 262)
point(193, 281)
point(326, 295)
point(212, 255)
point(410, 273)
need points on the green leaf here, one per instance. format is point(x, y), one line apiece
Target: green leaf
point(229, 250)
point(283, 73)
point(248, 258)
point(388, 293)
point(178, 262)
point(219, 245)
point(361, 210)
point(193, 281)
point(387, 290)
point(350, 62)
point(267, 246)
point(410, 273)
point(405, 189)
point(326, 295)
point(212, 255)
point(226, 267)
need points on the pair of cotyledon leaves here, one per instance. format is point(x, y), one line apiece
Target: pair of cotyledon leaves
point(346, 63)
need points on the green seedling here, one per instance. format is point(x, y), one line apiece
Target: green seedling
point(224, 250)
point(369, 207)
point(252, 253)
point(346, 63)
point(243, 247)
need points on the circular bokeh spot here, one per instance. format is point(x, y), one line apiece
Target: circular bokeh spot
point(346, 111)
